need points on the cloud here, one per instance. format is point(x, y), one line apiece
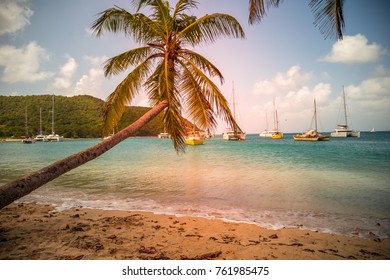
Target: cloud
point(92, 83)
point(14, 15)
point(354, 49)
point(64, 79)
point(22, 65)
point(292, 80)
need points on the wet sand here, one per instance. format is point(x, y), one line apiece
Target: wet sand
point(38, 232)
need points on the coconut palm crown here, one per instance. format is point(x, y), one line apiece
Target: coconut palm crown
point(165, 66)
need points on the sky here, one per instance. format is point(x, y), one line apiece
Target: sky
point(46, 47)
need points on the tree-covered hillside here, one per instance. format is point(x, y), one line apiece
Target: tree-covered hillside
point(74, 117)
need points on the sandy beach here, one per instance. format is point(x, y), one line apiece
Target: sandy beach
point(38, 232)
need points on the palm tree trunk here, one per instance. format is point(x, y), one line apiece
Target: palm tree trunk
point(25, 185)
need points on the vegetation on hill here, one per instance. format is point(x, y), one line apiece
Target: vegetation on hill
point(74, 117)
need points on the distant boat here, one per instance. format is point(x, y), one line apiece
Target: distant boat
point(273, 133)
point(234, 133)
point(27, 139)
point(312, 134)
point(163, 135)
point(373, 129)
point(194, 137)
point(40, 137)
point(53, 137)
point(343, 130)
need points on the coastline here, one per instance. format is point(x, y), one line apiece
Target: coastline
point(38, 232)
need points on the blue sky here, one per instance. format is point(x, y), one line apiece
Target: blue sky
point(46, 48)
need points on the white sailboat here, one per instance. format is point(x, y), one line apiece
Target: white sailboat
point(40, 137)
point(53, 137)
point(234, 133)
point(274, 133)
point(343, 130)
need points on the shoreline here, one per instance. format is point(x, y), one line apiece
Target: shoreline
point(38, 232)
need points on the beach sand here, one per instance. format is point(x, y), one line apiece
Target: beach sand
point(38, 232)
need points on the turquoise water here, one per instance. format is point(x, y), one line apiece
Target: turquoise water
point(341, 186)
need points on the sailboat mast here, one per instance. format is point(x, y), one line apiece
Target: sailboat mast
point(52, 118)
point(234, 102)
point(26, 121)
point(345, 108)
point(40, 121)
point(315, 113)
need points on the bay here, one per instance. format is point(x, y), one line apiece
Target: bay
point(339, 186)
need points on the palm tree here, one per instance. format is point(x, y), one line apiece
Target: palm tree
point(328, 14)
point(165, 67)
point(174, 77)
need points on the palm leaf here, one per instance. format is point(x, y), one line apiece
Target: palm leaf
point(123, 94)
point(211, 27)
point(120, 63)
point(258, 9)
point(116, 20)
point(329, 17)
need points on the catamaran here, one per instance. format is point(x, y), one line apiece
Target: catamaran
point(40, 137)
point(274, 133)
point(343, 130)
point(53, 137)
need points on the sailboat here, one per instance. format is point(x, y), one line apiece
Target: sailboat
point(312, 134)
point(273, 133)
point(40, 137)
point(234, 133)
point(373, 129)
point(343, 130)
point(164, 134)
point(27, 139)
point(53, 137)
point(194, 137)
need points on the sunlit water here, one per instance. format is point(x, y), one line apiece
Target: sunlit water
point(341, 186)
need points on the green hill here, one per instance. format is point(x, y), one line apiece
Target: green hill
point(75, 117)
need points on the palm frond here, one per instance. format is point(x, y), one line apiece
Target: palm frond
point(329, 17)
point(121, 62)
point(160, 13)
point(258, 9)
point(210, 93)
point(182, 6)
point(117, 101)
point(211, 27)
point(116, 20)
point(203, 63)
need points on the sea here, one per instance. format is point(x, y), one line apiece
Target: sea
point(339, 186)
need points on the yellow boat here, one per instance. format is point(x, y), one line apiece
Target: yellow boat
point(194, 138)
point(277, 135)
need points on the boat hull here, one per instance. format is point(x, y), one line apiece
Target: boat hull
point(28, 141)
point(346, 133)
point(277, 135)
point(302, 138)
point(234, 136)
point(194, 141)
point(54, 138)
point(273, 134)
